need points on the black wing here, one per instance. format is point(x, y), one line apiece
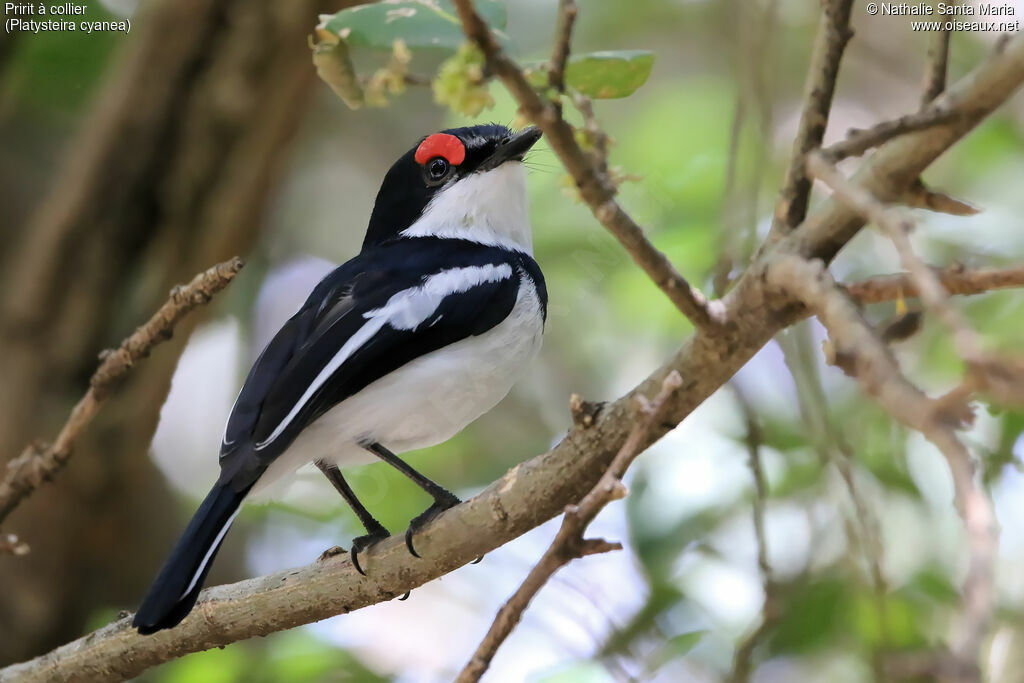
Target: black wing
point(298, 377)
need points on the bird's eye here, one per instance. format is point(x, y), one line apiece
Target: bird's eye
point(437, 169)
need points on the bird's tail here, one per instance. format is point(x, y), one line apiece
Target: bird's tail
point(176, 587)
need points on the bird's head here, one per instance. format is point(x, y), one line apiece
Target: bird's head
point(466, 183)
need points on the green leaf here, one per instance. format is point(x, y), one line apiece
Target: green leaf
point(419, 23)
point(602, 75)
point(609, 75)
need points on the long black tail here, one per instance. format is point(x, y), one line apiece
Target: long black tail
point(176, 587)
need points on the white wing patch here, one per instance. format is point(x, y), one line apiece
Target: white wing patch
point(405, 310)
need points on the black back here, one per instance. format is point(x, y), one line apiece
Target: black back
point(334, 312)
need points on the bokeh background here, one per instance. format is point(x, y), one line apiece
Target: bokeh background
point(129, 162)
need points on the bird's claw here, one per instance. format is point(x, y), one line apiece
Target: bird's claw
point(363, 542)
point(439, 506)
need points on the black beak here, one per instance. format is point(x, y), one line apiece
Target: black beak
point(512, 148)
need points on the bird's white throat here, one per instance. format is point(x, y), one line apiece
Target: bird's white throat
point(489, 208)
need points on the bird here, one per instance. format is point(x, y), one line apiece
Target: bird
point(400, 348)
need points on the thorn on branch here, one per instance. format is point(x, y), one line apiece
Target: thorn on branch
point(596, 546)
point(920, 196)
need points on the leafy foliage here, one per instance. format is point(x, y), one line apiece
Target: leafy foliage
point(459, 83)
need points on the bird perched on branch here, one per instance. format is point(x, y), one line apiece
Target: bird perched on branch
point(398, 349)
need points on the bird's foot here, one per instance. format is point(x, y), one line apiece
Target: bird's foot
point(441, 504)
point(361, 543)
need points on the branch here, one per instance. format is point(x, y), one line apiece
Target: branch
point(40, 462)
point(833, 34)
point(563, 37)
point(743, 657)
point(955, 279)
point(569, 543)
point(938, 60)
point(862, 355)
point(538, 489)
point(898, 226)
point(890, 171)
point(594, 185)
point(1002, 375)
point(859, 141)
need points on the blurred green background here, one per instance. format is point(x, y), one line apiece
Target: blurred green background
point(863, 574)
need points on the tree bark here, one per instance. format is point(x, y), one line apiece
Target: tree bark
point(168, 175)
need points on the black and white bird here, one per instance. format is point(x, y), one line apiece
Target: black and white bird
point(398, 349)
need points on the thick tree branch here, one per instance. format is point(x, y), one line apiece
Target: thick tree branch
point(569, 543)
point(39, 462)
point(538, 489)
point(594, 185)
point(833, 34)
point(890, 171)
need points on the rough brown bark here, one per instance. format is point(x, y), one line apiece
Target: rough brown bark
point(168, 174)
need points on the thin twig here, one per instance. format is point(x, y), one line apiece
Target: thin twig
point(938, 66)
point(39, 462)
point(833, 34)
point(859, 352)
point(955, 279)
point(569, 543)
point(743, 657)
point(594, 185)
point(859, 141)
point(563, 39)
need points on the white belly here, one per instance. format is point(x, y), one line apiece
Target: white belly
point(426, 401)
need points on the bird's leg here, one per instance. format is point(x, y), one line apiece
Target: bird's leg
point(443, 498)
point(375, 531)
